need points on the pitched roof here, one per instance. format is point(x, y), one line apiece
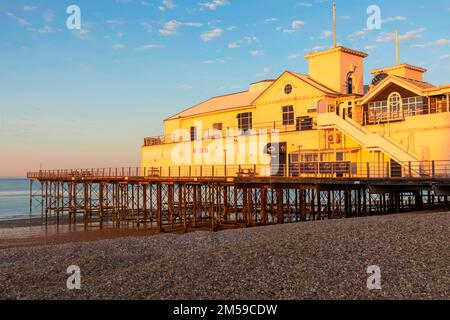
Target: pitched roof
point(413, 85)
point(221, 103)
point(314, 83)
point(417, 83)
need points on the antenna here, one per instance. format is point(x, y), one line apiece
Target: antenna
point(396, 47)
point(334, 25)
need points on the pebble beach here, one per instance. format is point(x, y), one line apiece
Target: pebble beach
point(311, 260)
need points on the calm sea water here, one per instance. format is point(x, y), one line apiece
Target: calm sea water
point(14, 199)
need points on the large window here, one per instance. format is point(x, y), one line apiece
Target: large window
point(395, 106)
point(288, 115)
point(245, 121)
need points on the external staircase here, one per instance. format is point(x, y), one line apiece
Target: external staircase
point(368, 140)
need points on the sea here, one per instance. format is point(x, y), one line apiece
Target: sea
point(15, 199)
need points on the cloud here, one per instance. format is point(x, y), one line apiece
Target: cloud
point(370, 47)
point(211, 35)
point(245, 40)
point(295, 26)
point(115, 22)
point(270, 20)
point(442, 42)
point(303, 4)
point(214, 4)
point(167, 5)
point(445, 56)
point(171, 27)
point(28, 7)
point(396, 18)
point(217, 61)
point(418, 46)
point(359, 34)
point(152, 46)
point(19, 21)
point(48, 16)
point(316, 48)
point(324, 35)
point(256, 53)
point(46, 30)
point(264, 72)
point(117, 46)
point(147, 25)
point(407, 36)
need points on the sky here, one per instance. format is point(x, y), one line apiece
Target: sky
point(86, 98)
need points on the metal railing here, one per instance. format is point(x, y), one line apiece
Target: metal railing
point(337, 169)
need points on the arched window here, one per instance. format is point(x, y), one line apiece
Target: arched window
point(349, 83)
point(395, 105)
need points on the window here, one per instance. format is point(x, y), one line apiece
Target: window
point(412, 106)
point(395, 105)
point(193, 133)
point(304, 123)
point(350, 83)
point(217, 126)
point(288, 115)
point(288, 89)
point(245, 121)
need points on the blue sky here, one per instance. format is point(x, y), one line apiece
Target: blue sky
point(87, 98)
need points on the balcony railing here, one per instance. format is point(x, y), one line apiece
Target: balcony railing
point(209, 134)
point(339, 169)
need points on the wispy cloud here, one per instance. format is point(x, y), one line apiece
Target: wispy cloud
point(171, 27)
point(445, 56)
point(303, 4)
point(217, 61)
point(442, 42)
point(118, 46)
point(19, 20)
point(263, 73)
point(417, 46)
point(214, 4)
point(246, 40)
point(48, 16)
point(391, 19)
point(324, 35)
point(257, 53)
point(152, 46)
point(407, 36)
point(115, 22)
point(167, 5)
point(147, 25)
point(370, 47)
point(271, 20)
point(295, 26)
point(211, 34)
point(29, 7)
point(46, 30)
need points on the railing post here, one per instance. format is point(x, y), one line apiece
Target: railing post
point(254, 169)
point(190, 171)
point(169, 171)
point(179, 171)
point(212, 173)
point(409, 169)
point(368, 169)
point(433, 169)
point(201, 171)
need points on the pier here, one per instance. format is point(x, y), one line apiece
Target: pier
point(180, 198)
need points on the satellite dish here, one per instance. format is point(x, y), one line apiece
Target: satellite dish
point(378, 78)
